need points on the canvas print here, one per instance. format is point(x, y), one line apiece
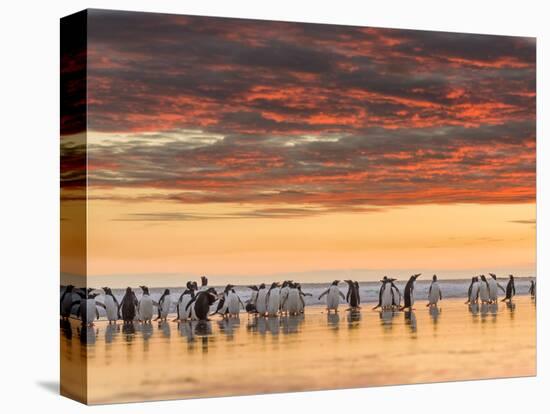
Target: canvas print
point(260, 206)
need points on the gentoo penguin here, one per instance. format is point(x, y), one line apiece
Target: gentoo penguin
point(88, 307)
point(533, 289)
point(251, 303)
point(164, 304)
point(222, 306)
point(293, 302)
point(261, 300)
point(434, 294)
point(333, 296)
point(283, 294)
point(510, 289)
point(185, 298)
point(128, 306)
point(356, 283)
point(111, 305)
point(484, 290)
point(273, 299)
point(145, 306)
point(473, 291)
point(409, 292)
point(388, 298)
point(493, 288)
point(380, 292)
point(233, 303)
point(66, 302)
point(202, 302)
point(352, 297)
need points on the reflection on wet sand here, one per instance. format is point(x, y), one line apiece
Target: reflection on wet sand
point(191, 359)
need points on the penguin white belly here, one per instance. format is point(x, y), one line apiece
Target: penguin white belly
point(293, 304)
point(434, 294)
point(284, 296)
point(493, 294)
point(484, 292)
point(261, 305)
point(233, 304)
point(90, 311)
point(111, 308)
point(333, 298)
point(146, 308)
point(274, 302)
point(165, 308)
point(474, 293)
point(387, 299)
point(396, 297)
point(184, 313)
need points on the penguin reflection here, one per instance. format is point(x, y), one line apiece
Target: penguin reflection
point(353, 318)
point(164, 327)
point(66, 328)
point(511, 306)
point(434, 313)
point(333, 320)
point(227, 326)
point(87, 335)
point(291, 324)
point(386, 318)
point(410, 320)
point(203, 330)
point(110, 332)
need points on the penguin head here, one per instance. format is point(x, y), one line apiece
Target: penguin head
point(253, 287)
point(228, 288)
point(204, 281)
point(107, 290)
point(493, 275)
point(195, 286)
point(166, 291)
point(483, 278)
point(416, 276)
point(128, 290)
point(511, 277)
point(69, 288)
point(262, 286)
point(189, 285)
point(145, 290)
point(275, 284)
point(335, 282)
point(434, 278)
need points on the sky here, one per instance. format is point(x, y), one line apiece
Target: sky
point(245, 150)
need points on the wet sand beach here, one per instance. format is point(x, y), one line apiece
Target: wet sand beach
point(314, 351)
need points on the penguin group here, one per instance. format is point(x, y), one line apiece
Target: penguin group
point(198, 303)
point(485, 289)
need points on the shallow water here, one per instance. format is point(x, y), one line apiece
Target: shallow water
point(310, 352)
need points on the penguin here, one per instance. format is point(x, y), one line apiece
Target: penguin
point(493, 288)
point(352, 297)
point(145, 306)
point(293, 302)
point(164, 304)
point(261, 300)
point(222, 305)
point(202, 302)
point(533, 289)
point(380, 293)
point(250, 306)
point(273, 299)
point(185, 298)
point(484, 290)
point(510, 289)
point(473, 291)
point(87, 310)
point(333, 296)
point(128, 306)
point(111, 305)
point(66, 302)
point(409, 292)
point(283, 294)
point(434, 293)
point(388, 298)
point(233, 303)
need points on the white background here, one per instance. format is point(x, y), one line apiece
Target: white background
point(29, 235)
